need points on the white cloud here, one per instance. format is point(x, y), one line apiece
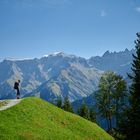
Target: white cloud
point(138, 9)
point(103, 13)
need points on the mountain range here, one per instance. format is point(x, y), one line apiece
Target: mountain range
point(60, 75)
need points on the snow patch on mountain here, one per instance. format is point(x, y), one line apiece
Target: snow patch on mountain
point(52, 54)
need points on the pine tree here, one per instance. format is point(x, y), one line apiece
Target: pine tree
point(67, 105)
point(83, 111)
point(92, 115)
point(59, 102)
point(131, 124)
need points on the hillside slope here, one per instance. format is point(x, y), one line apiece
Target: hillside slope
point(35, 119)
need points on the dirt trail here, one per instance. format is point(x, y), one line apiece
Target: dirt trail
point(10, 103)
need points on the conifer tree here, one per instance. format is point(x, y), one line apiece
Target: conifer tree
point(59, 102)
point(92, 115)
point(83, 111)
point(131, 124)
point(67, 105)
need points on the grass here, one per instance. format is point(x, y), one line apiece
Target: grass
point(35, 119)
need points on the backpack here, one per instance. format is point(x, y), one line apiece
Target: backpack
point(16, 85)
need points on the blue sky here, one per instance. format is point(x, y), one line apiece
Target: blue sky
point(32, 28)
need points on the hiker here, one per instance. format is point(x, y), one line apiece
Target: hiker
point(16, 87)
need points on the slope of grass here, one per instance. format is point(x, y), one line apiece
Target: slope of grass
point(35, 119)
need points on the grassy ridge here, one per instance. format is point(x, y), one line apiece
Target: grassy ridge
point(35, 119)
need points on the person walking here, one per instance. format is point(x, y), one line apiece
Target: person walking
point(16, 87)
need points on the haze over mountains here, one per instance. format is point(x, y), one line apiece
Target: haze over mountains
point(60, 74)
